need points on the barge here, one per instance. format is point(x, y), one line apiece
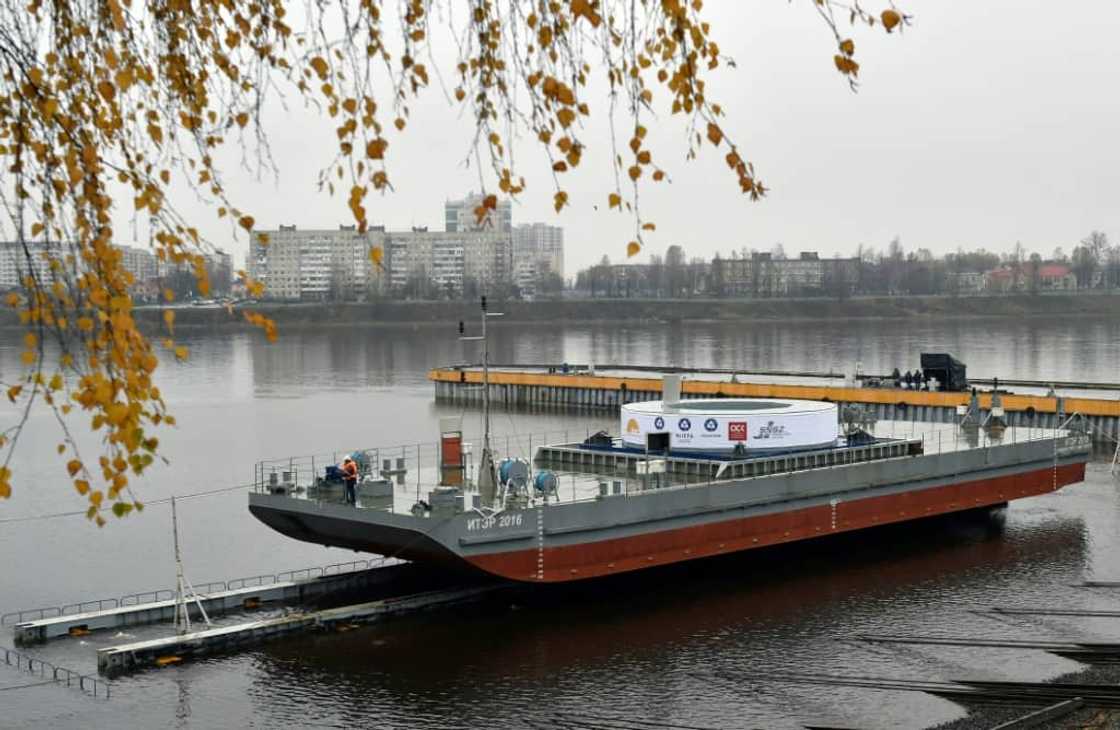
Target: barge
point(683, 480)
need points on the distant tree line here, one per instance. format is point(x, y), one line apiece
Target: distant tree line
point(1092, 264)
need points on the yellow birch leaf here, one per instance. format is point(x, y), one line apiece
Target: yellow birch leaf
point(375, 150)
point(632, 249)
point(376, 255)
point(714, 133)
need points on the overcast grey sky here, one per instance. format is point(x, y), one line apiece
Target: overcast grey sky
point(981, 125)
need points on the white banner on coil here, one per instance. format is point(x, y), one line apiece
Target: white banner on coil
point(724, 431)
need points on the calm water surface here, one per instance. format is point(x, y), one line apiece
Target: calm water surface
point(690, 645)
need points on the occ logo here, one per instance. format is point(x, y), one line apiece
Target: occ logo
point(659, 423)
point(711, 425)
point(737, 431)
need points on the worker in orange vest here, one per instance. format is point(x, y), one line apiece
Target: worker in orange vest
point(350, 478)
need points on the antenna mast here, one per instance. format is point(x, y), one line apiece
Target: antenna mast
point(184, 591)
point(487, 482)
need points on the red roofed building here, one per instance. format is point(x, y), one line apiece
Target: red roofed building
point(1051, 277)
point(1056, 277)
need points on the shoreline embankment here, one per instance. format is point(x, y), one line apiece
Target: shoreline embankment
point(635, 311)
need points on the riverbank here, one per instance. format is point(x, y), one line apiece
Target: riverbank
point(640, 310)
point(983, 717)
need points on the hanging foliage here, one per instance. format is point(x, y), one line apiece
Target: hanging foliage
point(105, 105)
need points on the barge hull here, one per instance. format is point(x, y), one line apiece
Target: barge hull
point(537, 553)
point(607, 557)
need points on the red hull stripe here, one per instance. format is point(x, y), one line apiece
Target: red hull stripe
point(605, 557)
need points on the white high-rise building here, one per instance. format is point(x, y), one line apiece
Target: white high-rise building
point(16, 262)
point(315, 265)
point(140, 262)
point(540, 244)
point(460, 215)
point(433, 264)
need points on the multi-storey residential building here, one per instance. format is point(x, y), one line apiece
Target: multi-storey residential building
point(426, 264)
point(460, 215)
point(312, 265)
point(140, 262)
point(762, 275)
point(541, 245)
point(148, 272)
point(16, 262)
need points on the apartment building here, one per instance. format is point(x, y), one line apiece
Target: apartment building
point(315, 264)
point(431, 264)
point(459, 215)
point(16, 262)
point(541, 245)
point(762, 275)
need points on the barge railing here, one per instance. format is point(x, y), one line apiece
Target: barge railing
point(586, 472)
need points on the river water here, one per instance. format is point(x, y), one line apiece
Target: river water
point(698, 644)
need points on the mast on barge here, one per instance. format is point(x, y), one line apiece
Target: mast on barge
point(487, 477)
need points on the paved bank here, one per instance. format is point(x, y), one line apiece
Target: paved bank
point(631, 310)
point(641, 310)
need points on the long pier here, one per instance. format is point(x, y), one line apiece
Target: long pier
point(215, 603)
point(545, 386)
point(116, 660)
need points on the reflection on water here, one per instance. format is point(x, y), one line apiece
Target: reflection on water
point(659, 646)
point(659, 651)
point(313, 359)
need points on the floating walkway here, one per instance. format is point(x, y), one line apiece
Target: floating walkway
point(215, 603)
point(536, 386)
point(117, 660)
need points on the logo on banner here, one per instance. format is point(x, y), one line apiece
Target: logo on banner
point(659, 423)
point(771, 431)
point(711, 425)
point(684, 424)
point(632, 426)
point(737, 431)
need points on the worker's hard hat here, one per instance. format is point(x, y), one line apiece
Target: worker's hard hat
point(347, 458)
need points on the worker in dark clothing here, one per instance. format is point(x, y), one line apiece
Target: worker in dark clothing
point(350, 478)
